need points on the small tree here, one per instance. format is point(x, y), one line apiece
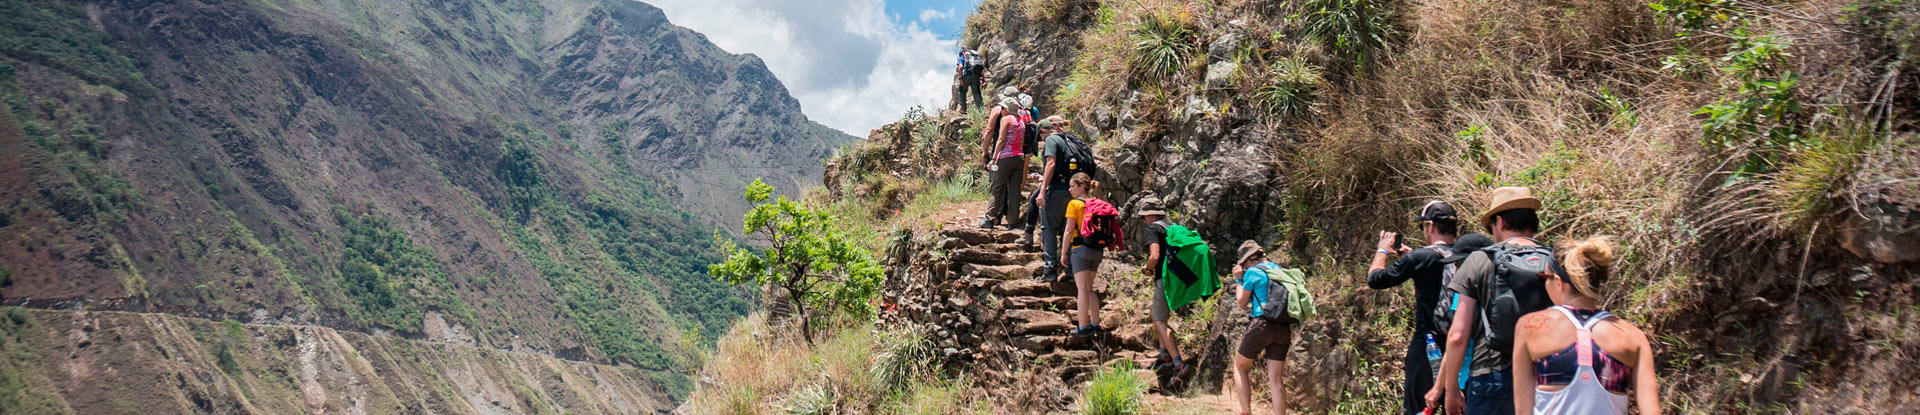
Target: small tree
point(807, 254)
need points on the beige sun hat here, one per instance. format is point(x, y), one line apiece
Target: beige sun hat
point(1249, 249)
point(1151, 206)
point(1509, 198)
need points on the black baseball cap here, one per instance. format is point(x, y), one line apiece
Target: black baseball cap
point(1435, 211)
point(1464, 247)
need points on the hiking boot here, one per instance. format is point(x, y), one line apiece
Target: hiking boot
point(1179, 369)
point(1026, 241)
point(1046, 276)
point(1086, 331)
point(1162, 361)
point(987, 224)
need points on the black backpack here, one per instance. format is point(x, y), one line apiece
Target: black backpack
point(1514, 290)
point(1075, 157)
point(1443, 307)
point(1274, 309)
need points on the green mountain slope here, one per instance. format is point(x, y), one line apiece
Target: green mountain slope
point(506, 174)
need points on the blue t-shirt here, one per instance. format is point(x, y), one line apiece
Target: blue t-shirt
point(1255, 280)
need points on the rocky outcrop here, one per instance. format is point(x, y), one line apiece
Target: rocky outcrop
point(1886, 194)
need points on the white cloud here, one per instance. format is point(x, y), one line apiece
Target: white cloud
point(851, 66)
point(930, 15)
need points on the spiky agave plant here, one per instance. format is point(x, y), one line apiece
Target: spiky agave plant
point(1162, 42)
point(1354, 29)
point(1295, 85)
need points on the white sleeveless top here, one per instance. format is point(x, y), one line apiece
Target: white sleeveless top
point(1585, 395)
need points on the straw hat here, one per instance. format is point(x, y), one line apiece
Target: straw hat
point(1510, 198)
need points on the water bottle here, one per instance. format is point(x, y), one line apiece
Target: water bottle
point(1433, 355)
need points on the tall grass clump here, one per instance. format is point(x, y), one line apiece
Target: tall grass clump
point(1162, 43)
point(1353, 29)
point(1295, 85)
point(903, 357)
point(1115, 390)
point(1804, 187)
point(812, 399)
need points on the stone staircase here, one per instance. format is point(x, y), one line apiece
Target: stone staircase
point(973, 290)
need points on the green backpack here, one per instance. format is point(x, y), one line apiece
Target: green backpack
point(1190, 267)
point(1299, 302)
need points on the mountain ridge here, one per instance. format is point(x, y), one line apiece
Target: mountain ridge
point(539, 176)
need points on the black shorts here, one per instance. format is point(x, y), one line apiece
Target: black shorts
point(1272, 337)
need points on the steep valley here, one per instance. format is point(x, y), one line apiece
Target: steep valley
point(508, 184)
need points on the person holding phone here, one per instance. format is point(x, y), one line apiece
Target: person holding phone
point(1438, 225)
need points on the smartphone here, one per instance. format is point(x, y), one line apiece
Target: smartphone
point(1399, 239)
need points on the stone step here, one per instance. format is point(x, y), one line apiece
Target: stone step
point(1003, 272)
point(977, 236)
point(1070, 357)
point(1061, 303)
point(1038, 322)
point(984, 256)
point(1038, 343)
point(1022, 288)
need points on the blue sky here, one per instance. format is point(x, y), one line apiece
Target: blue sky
point(854, 65)
point(948, 14)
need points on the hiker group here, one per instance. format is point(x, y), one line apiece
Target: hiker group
point(1502, 324)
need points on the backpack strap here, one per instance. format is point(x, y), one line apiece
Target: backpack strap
point(1583, 333)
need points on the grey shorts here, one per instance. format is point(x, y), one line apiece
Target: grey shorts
point(1084, 258)
point(1160, 310)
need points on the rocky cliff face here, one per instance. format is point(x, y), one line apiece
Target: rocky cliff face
point(1743, 282)
point(509, 175)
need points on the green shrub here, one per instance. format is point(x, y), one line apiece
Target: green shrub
point(1162, 43)
point(1803, 188)
point(19, 316)
point(1115, 390)
point(809, 255)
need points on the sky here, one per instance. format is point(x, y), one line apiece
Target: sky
point(854, 65)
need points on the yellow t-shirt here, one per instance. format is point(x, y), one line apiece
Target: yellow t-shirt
point(1074, 209)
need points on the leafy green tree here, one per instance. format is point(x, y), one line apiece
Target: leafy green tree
point(807, 253)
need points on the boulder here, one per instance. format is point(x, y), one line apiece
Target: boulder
point(1220, 74)
point(1886, 196)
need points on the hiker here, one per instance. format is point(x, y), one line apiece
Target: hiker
point(1438, 226)
point(968, 70)
point(1094, 226)
point(1063, 157)
point(1582, 359)
point(1006, 165)
point(1444, 311)
point(1191, 284)
point(1269, 330)
point(1497, 286)
point(1036, 201)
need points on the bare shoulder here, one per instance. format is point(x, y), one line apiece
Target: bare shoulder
point(1539, 320)
point(1625, 328)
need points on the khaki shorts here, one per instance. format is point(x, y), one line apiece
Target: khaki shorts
point(1271, 337)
